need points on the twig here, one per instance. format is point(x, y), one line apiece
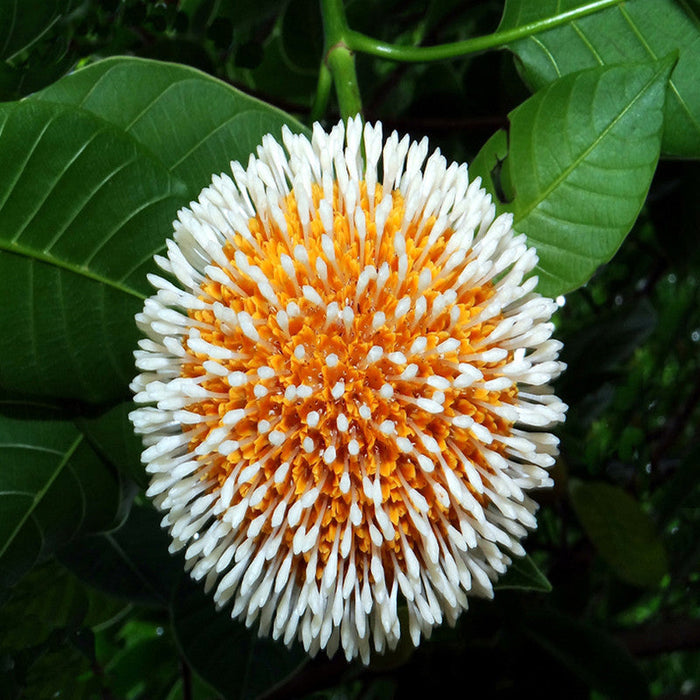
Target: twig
point(653, 639)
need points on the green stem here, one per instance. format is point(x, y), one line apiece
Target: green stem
point(419, 54)
point(340, 58)
point(323, 93)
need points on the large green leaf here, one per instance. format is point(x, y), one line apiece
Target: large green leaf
point(83, 210)
point(635, 30)
point(621, 531)
point(582, 153)
point(192, 123)
point(94, 170)
point(243, 664)
point(53, 487)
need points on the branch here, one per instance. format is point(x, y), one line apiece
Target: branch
point(422, 54)
point(674, 635)
point(340, 59)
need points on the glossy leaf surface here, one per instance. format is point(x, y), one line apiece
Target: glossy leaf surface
point(636, 30)
point(96, 170)
point(582, 153)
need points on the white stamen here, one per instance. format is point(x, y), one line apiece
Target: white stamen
point(276, 438)
point(332, 360)
point(386, 391)
point(338, 390)
point(375, 353)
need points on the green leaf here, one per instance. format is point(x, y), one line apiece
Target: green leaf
point(621, 531)
point(22, 22)
point(145, 100)
point(635, 30)
point(53, 487)
point(590, 653)
point(112, 435)
point(96, 167)
point(150, 662)
point(47, 599)
point(50, 598)
point(244, 665)
point(524, 575)
point(131, 563)
point(61, 666)
point(488, 165)
point(582, 154)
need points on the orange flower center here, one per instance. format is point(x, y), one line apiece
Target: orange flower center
point(347, 380)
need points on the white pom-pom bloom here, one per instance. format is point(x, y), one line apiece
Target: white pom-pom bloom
point(344, 391)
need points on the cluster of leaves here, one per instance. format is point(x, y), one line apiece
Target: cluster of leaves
point(95, 164)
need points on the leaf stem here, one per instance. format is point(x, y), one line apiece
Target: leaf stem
point(340, 58)
point(356, 41)
point(323, 92)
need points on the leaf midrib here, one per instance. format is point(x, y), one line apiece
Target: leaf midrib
point(80, 270)
point(518, 216)
point(12, 246)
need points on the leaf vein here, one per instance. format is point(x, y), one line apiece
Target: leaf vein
point(79, 270)
point(82, 206)
point(30, 153)
point(556, 182)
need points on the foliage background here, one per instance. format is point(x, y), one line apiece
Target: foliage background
point(91, 603)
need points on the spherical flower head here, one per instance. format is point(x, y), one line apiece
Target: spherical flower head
point(345, 389)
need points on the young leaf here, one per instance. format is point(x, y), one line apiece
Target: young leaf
point(524, 575)
point(488, 165)
point(582, 154)
point(53, 487)
point(621, 531)
point(636, 30)
point(96, 167)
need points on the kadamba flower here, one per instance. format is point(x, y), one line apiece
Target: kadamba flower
point(345, 389)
